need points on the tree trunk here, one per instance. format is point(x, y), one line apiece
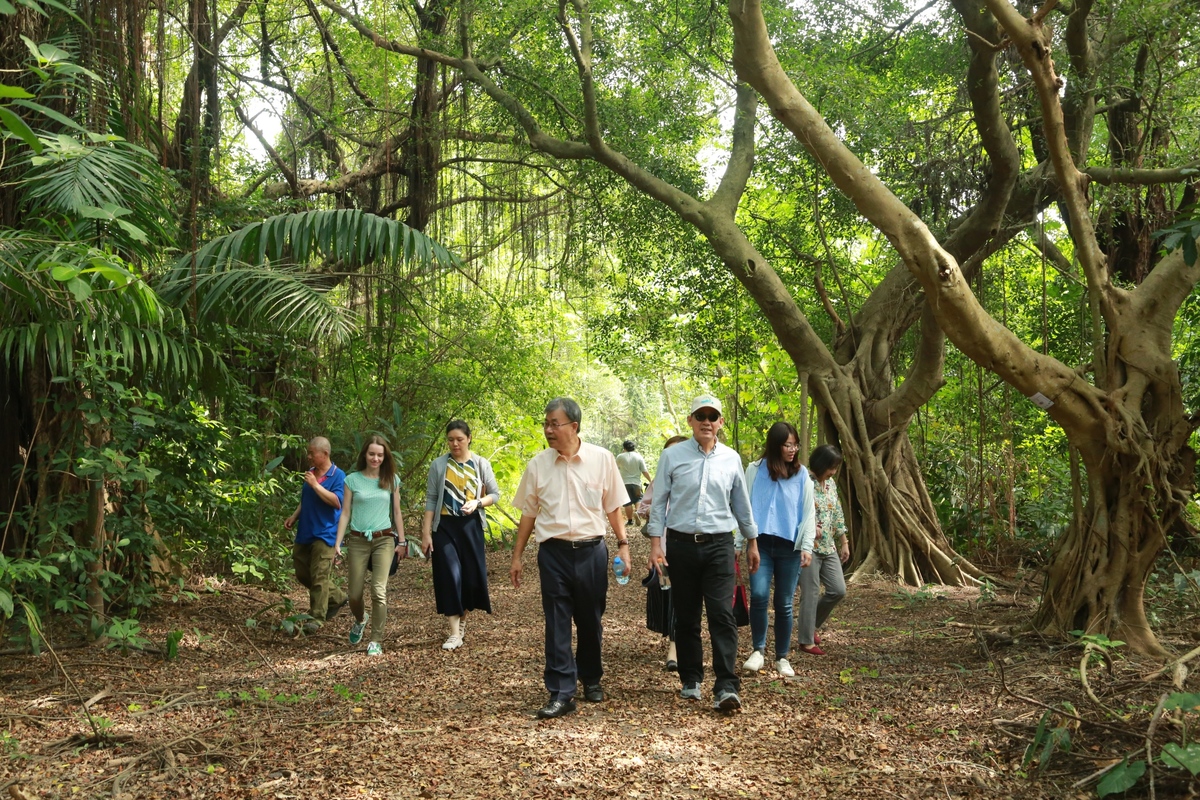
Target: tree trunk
point(95, 541)
point(422, 152)
point(894, 529)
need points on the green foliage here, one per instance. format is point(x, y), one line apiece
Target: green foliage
point(1184, 232)
point(1046, 742)
point(125, 634)
point(171, 651)
point(1121, 778)
point(1185, 757)
point(1098, 640)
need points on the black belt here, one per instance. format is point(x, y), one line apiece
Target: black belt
point(575, 544)
point(698, 538)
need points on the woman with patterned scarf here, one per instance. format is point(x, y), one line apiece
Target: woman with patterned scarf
point(461, 484)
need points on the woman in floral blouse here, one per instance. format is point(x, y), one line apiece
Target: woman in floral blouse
point(829, 553)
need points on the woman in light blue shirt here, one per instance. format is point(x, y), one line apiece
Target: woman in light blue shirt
point(781, 500)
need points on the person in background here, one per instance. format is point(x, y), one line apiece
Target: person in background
point(829, 554)
point(461, 485)
point(565, 495)
point(371, 514)
point(316, 522)
point(699, 498)
point(660, 616)
point(781, 495)
point(633, 469)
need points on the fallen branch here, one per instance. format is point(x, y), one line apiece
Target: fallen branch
point(1004, 685)
point(1158, 709)
point(165, 706)
point(1088, 649)
point(1174, 665)
point(266, 660)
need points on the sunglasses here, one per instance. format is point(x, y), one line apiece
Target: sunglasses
point(707, 415)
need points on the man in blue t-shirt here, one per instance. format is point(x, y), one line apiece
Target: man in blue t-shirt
point(312, 553)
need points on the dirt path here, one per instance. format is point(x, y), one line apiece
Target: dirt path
point(903, 706)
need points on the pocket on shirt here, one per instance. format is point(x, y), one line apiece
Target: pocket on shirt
point(593, 496)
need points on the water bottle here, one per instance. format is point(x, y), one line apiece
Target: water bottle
point(620, 571)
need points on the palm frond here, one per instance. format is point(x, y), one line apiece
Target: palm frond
point(345, 235)
point(284, 298)
point(257, 273)
point(109, 180)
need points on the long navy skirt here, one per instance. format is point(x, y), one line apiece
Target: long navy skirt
point(460, 566)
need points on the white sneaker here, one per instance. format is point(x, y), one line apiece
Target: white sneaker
point(453, 643)
point(784, 668)
point(755, 662)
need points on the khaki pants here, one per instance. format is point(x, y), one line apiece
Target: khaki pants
point(379, 552)
point(314, 569)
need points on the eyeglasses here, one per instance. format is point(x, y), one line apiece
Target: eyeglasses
point(791, 447)
point(553, 426)
point(712, 415)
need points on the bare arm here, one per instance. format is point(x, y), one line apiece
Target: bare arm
point(343, 522)
point(617, 520)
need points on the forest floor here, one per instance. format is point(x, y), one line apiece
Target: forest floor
point(909, 702)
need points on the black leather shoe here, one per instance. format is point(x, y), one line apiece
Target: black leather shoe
point(672, 666)
point(593, 693)
point(557, 708)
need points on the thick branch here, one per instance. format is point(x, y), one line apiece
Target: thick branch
point(1079, 106)
point(983, 87)
point(1160, 295)
point(383, 161)
point(958, 312)
point(1033, 43)
point(1143, 177)
point(741, 157)
point(923, 380)
point(331, 43)
point(288, 173)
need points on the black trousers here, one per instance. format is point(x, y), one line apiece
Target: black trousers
point(574, 588)
point(702, 572)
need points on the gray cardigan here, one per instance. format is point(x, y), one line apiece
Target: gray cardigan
point(437, 482)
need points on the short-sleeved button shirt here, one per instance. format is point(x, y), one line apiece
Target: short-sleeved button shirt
point(318, 519)
point(570, 497)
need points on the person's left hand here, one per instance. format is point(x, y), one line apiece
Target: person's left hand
point(805, 559)
point(401, 548)
point(311, 479)
point(752, 558)
point(844, 552)
point(469, 507)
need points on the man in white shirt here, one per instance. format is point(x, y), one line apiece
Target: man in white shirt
point(633, 469)
point(566, 495)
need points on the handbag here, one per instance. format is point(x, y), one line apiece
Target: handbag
point(741, 603)
point(395, 563)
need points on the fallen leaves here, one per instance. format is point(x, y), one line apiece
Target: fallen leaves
point(253, 714)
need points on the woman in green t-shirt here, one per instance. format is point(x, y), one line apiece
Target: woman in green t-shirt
point(371, 512)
